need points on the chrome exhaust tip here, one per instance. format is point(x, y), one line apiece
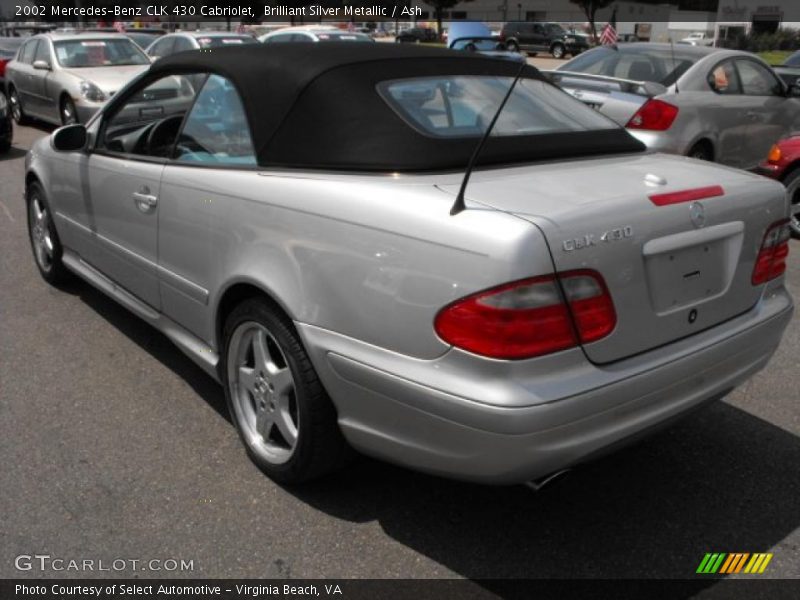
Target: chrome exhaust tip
point(538, 485)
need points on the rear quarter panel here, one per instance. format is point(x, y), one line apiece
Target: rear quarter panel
point(371, 257)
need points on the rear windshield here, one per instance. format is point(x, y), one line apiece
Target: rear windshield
point(9, 47)
point(76, 54)
point(220, 41)
point(463, 106)
point(793, 60)
point(658, 65)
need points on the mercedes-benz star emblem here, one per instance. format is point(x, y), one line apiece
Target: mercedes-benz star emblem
point(697, 214)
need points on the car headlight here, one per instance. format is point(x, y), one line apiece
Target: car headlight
point(91, 92)
point(3, 104)
point(570, 40)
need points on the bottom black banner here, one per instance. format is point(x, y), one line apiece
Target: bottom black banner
point(390, 589)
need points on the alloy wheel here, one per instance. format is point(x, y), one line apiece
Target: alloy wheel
point(793, 192)
point(16, 108)
point(68, 116)
point(263, 391)
point(40, 233)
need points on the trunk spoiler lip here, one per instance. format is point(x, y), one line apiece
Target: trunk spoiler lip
point(642, 88)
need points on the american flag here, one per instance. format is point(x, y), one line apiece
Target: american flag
point(609, 35)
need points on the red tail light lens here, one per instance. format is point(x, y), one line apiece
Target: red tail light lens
point(771, 261)
point(529, 318)
point(654, 115)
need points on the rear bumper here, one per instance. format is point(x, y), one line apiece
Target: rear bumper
point(446, 418)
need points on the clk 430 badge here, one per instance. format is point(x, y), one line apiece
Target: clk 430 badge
point(590, 239)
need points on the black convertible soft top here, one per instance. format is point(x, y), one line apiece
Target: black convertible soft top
point(315, 105)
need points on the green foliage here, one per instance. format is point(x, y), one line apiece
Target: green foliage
point(782, 40)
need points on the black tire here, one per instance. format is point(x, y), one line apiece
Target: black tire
point(701, 151)
point(558, 51)
point(51, 267)
point(512, 46)
point(792, 183)
point(17, 111)
point(67, 111)
point(319, 447)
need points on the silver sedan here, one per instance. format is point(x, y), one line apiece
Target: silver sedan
point(722, 105)
point(302, 225)
point(66, 78)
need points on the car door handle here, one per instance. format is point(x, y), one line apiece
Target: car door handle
point(144, 200)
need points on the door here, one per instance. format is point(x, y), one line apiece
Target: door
point(40, 95)
point(727, 109)
point(23, 77)
point(770, 114)
point(197, 197)
point(123, 180)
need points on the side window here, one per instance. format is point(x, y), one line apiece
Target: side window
point(757, 80)
point(216, 130)
point(724, 79)
point(162, 47)
point(182, 44)
point(28, 51)
point(147, 123)
point(43, 52)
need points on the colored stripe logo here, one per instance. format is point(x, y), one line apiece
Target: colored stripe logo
point(736, 562)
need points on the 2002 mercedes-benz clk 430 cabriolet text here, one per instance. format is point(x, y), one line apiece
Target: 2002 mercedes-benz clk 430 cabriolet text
point(299, 219)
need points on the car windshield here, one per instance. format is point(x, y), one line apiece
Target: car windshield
point(143, 40)
point(228, 40)
point(793, 60)
point(76, 54)
point(344, 36)
point(639, 63)
point(463, 106)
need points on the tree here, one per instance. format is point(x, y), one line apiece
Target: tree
point(590, 8)
point(440, 5)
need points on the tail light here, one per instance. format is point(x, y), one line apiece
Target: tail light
point(771, 261)
point(530, 317)
point(775, 154)
point(654, 115)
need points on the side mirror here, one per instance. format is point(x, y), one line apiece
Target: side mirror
point(794, 89)
point(41, 65)
point(69, 138)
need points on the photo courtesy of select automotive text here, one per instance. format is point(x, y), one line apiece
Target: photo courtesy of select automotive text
point(399, 299)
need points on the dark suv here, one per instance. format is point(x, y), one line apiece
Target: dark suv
point(417, 34)
point(543, 37)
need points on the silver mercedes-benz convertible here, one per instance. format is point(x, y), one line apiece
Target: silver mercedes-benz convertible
point(435, 258)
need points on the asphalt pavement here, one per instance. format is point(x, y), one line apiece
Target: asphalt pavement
point(115, 446)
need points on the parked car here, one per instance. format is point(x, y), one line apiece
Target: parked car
point(196, 40)
point(316, 257)
point(783, 163)
point(314, 33)
point(64, 78)
point(698, 38)
point(8, 49)
point(417, 35)
point(789, 71)
point(472, 36)
point(6, 128)
point(708, 103)
point(533, 38)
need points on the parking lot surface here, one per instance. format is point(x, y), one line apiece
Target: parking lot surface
point(114, 445)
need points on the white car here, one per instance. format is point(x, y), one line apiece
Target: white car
point(314, 33)
point(698, 38)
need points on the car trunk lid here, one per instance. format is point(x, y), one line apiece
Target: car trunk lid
point(675, 240)
point(618, 99)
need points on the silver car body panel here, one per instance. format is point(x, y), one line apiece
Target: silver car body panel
point(362, 263)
